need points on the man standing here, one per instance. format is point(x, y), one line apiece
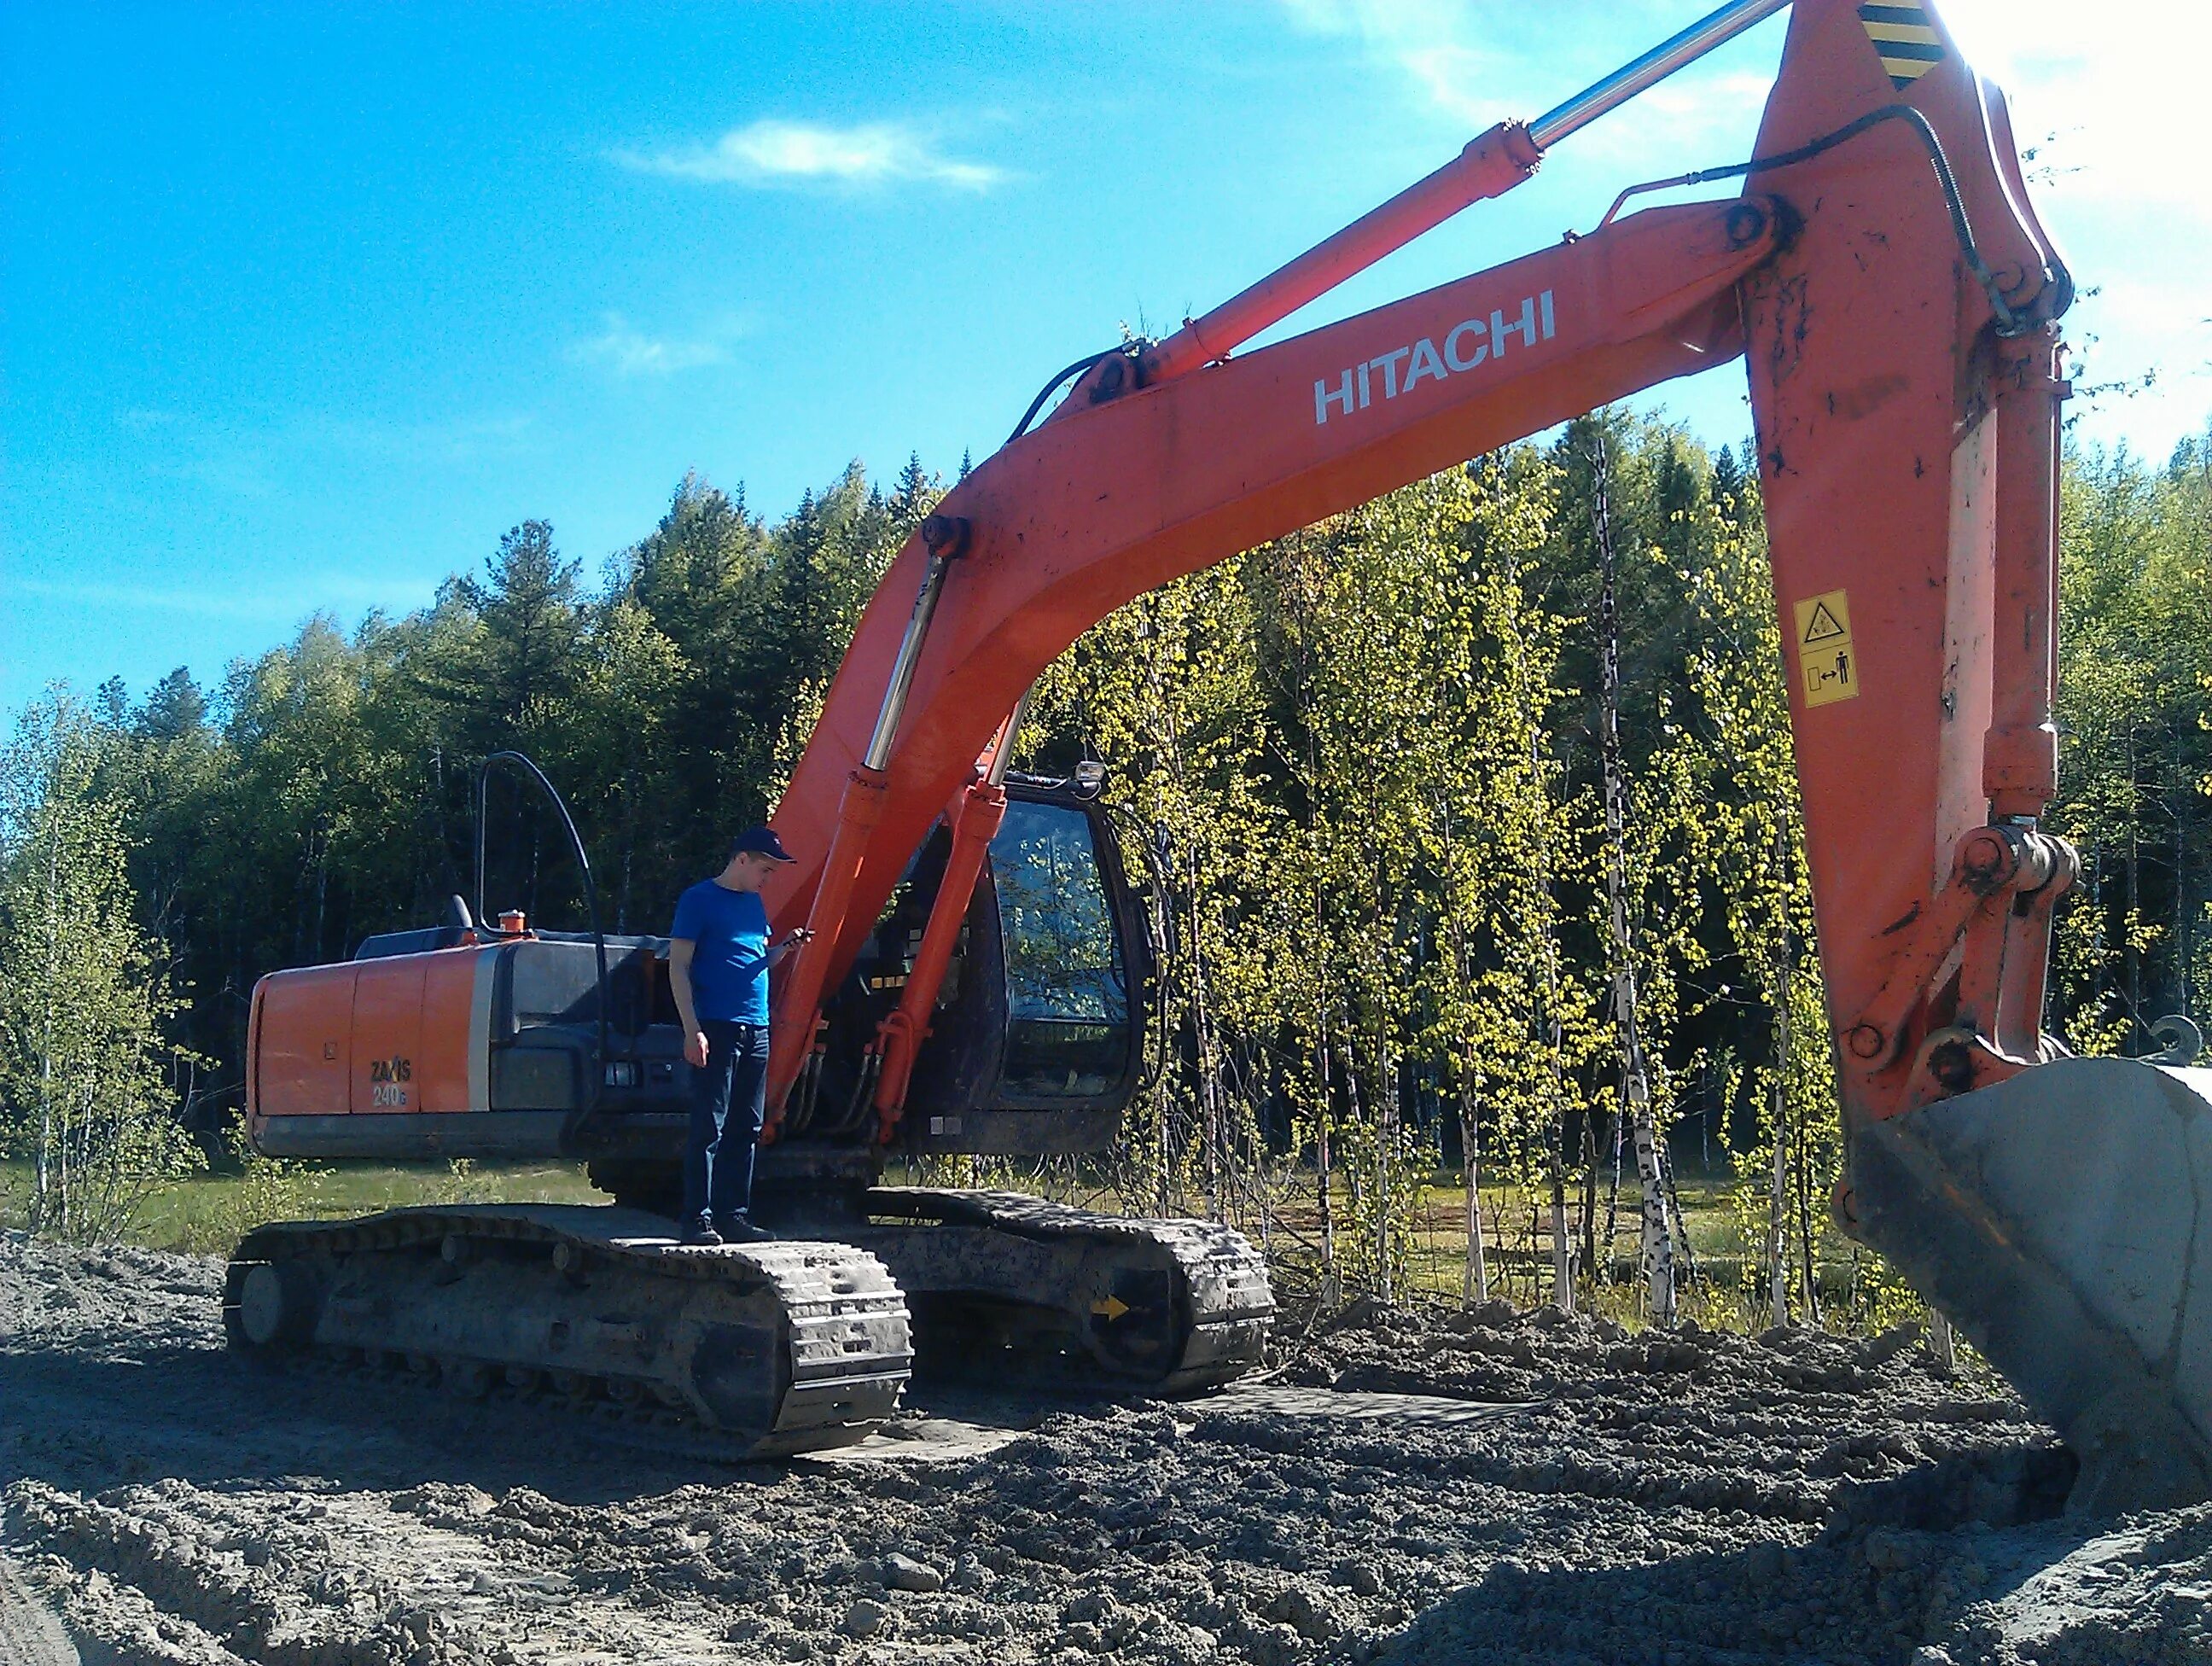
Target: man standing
point(719, 957)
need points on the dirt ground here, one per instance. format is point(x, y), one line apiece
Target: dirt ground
point(1693, 1498)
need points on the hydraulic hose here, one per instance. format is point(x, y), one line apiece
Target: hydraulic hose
point(2010, 322)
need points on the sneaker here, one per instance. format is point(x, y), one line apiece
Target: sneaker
point(702, 1232)
point(739, 1229)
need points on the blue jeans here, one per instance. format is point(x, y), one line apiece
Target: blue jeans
point(727, 1100)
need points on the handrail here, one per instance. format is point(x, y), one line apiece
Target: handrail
point(590, 905)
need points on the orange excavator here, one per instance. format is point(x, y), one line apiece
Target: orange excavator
point(974, 979)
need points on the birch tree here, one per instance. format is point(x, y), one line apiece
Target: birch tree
point(1755, 833)
point(88, 1089)
point(1656, 1247)
point(1493, 825)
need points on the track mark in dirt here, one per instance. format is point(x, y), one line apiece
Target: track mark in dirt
point(30, 1635)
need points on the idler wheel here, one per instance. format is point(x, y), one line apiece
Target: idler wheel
point(276, 1304)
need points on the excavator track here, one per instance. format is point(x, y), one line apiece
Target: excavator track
point(1166, 1307)
point(755, 1351)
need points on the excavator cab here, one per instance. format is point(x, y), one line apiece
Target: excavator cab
point(1035, 1040)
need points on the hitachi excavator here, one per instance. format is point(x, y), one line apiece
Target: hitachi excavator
point(974, 979)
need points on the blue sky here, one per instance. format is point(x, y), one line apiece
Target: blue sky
point(302, 306)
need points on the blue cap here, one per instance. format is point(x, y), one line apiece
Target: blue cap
point(761, 842)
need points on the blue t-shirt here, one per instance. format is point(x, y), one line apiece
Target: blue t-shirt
point(729, 959)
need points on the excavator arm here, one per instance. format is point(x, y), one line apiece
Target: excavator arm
point(1895, 300)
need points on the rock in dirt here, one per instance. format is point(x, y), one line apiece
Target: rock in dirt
point(901, 1572)
point(863, 1617)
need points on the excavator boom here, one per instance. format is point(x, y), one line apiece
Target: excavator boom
point(1895, 300)
point(1119, 497)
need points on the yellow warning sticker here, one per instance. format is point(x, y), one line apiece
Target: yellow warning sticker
point(1826, 657)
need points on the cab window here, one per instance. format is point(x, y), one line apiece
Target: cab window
point(1068, 999)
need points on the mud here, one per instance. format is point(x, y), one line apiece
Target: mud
point(1694, 1498)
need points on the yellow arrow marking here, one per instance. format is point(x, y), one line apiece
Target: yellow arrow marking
point(1111, 1309)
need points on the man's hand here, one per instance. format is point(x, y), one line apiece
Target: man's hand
point(800, 934)
point(695, 1049)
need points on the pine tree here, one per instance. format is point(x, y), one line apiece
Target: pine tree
point(174, 709)
point(1728, 482)
point(914, 494)
point(528, 604)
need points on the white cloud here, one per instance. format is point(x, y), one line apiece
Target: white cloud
point(1469, 63)
point(333, 592)
point(1436, 44)
point(2123, 94)
point(2113, 107)
point(626, 350)
point(436, 440)
point(770, 152)
point(235, 461)
point(251, 456)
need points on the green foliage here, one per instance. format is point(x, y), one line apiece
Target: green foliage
point(459, 1184)
point(89, 1082)
point(267, 1189)
point(327, 792)
point(1356, 773)
point(1359, 767)
point(2136, 717)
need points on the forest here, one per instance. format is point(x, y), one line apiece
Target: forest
point(1466, 822)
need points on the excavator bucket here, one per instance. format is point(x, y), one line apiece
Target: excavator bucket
point(2059, 1220)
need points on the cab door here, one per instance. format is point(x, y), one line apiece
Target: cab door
point(1068, 1016)
point(1038, 1039)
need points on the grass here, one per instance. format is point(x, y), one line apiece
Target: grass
point(1711, 1269)
point(208, 1213)
point(205, 1213)
point(1721, 1279)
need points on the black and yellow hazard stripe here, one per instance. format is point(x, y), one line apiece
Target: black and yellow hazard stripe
point(1907, 42)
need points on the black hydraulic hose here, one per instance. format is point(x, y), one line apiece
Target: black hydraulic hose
point(591, 904)
point(1045, 392)
point(2009, 322)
